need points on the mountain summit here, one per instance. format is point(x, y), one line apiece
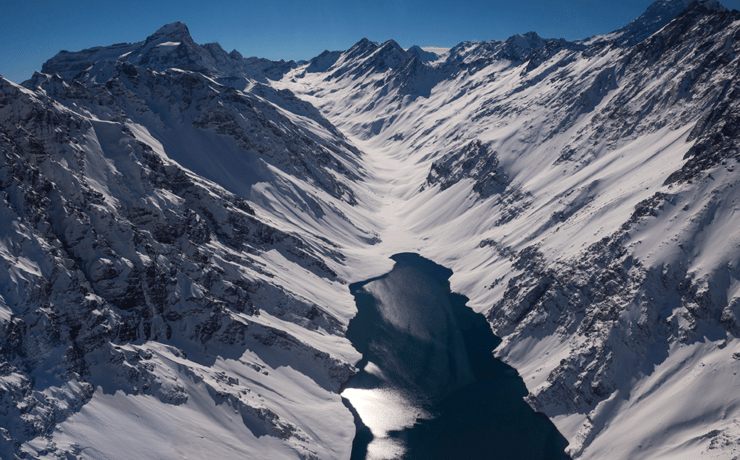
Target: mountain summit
point(176, 32)
point(655, 17)
point(424, 56)
point(170, 47)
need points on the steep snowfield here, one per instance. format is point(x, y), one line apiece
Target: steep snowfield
point(141, 297)
point(179, 226)
point(585, 205)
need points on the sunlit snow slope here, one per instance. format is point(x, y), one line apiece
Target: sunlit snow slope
point(180, 225)
point(586, 197)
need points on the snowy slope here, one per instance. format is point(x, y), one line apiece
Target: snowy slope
point(180, 225)
point(137, 294)
point(585, 197)
point(143, 291)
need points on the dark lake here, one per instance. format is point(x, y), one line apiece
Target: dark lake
point(429, 386)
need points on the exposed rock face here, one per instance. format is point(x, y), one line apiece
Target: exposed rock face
point(474, 162)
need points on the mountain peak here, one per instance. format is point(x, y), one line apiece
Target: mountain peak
point(658, 15)
point(655, 17)
point(528, 40)
point(391, 44)
point(519, 46)
point(713, 5)
point(388, 55)
point(173, 32)
point(364, 47)
point(419, 52)
point(170, 47)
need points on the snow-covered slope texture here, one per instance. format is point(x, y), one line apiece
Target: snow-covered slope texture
point(586, 197)
point(180, 224)
point(129, 280)
point(154, 300)
point(265, 145)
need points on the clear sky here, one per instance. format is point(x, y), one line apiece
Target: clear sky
point(33, 31)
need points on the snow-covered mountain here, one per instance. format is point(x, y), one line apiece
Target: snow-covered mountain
point(181, 225)
point(143, 290)
point(169, 47)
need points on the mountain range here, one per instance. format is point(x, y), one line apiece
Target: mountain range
point(180, 226)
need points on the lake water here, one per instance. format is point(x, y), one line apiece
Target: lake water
point(429, 386)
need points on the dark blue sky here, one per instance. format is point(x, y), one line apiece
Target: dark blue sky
point(32, 32)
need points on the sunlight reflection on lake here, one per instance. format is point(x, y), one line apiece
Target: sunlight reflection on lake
point(382, 411)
